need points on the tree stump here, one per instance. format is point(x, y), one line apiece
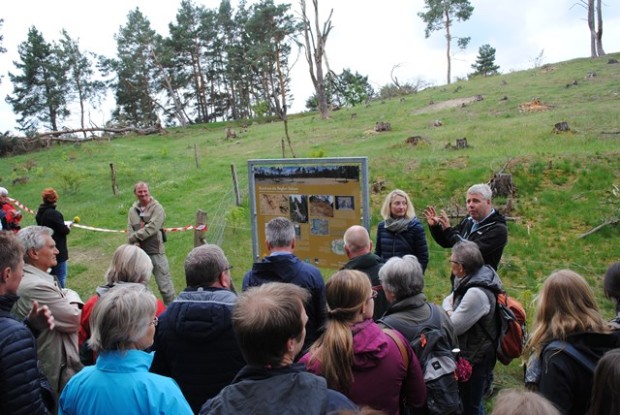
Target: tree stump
point(413, 140)
point(461, 143)
point(501, 185)
point(382, 126)
point(561, 127)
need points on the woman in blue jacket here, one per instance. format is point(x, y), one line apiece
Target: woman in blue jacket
point(400, 233)
point(123, 324)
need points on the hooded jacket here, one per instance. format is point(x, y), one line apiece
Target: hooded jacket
point(370, 264)
point(47, 215)
point(195, 343)
point(286, 390)
point(379, 372)
point(473, 312)
point(491, 236)
point(288, 268)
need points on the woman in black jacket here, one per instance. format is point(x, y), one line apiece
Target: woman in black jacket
point(47, 215)
point(400, 233)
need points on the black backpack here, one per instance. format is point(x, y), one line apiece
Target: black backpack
point(433, 349)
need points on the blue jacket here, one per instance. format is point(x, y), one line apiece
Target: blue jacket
point(289, 268)
point(412, 241)
point(22, 388)
point(195, 343)
point(287, 390)
point(120, 383)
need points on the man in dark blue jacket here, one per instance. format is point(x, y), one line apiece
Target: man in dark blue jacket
point(283, 266)
point(23, 389)
point(195, 344)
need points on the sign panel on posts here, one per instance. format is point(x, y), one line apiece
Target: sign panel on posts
point(322, 197)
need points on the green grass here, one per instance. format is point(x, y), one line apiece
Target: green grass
point(563, 181)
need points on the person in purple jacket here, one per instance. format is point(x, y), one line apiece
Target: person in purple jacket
point(357, 358)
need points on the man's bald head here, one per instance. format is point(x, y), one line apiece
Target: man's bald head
point(357, 241)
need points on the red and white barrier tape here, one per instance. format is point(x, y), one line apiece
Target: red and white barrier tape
point(202, 228)
point(18, 204)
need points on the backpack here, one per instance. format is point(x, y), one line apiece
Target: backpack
point(512, 330)
point(433, 349)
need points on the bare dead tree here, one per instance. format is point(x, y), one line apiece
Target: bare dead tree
point(315, 52)
point(595, 24)
point(167, 82)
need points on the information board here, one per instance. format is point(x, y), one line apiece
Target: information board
point(322, 197)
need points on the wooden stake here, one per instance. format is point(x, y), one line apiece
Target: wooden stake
point(114, 185)
point(233, 170)
point(199, 234)
point(196, 156)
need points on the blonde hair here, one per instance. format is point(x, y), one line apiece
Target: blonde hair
point(386, 212)
point(346, 292)
point(565, 305)
point(517, 402)
point(129, 264)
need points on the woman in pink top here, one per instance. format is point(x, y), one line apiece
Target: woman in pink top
point(130, 264)
point(356, 357)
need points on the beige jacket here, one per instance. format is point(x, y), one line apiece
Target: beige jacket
point(146, 230)
point(57, 348)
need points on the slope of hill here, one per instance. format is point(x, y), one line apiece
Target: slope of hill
point(564, 180)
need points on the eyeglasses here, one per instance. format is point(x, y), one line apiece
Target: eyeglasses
point(454, 262)
point(228, 268)
point(155, 321)
point(374, 294)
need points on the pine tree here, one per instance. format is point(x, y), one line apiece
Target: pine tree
point(485, 62)
point(40, 90)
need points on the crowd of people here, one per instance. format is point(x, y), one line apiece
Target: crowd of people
point(364, 341)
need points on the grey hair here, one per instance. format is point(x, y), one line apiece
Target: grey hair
point(129, 264)
point(32, 237)
point(467, 253)
point(204, 264)
point(403, 277)
point(280, 232)
point(121, 317)
point(481, 189)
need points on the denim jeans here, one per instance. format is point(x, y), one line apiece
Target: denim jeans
point(60, 271)
point(472, 391)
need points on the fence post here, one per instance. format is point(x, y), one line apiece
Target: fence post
point(114, 185)
point(199, 230)
point(196, 156)
point(235, 184)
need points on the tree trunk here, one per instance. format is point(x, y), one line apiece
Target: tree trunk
point(599, 30)
point(315, 52)
point(592, 28)
point(448, 42)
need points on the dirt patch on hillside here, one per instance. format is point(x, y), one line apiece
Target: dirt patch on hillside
point(452, 103)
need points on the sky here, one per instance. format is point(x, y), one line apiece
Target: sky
point(372, 38)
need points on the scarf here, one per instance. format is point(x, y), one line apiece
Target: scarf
point(397, 225)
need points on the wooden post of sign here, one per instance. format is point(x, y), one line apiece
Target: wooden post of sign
point(235, 184)
point(196, 156)
point(114, 185)
point(201, 228)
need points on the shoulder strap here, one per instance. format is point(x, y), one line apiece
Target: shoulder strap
point(403, 351)
point(570, 350)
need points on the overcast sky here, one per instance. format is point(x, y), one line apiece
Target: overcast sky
point(368, 36)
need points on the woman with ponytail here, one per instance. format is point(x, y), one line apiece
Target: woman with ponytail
point(371, 367)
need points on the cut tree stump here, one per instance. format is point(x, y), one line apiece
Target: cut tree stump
point(501, 185)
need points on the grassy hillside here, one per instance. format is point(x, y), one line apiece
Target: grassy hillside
point(564, 181)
